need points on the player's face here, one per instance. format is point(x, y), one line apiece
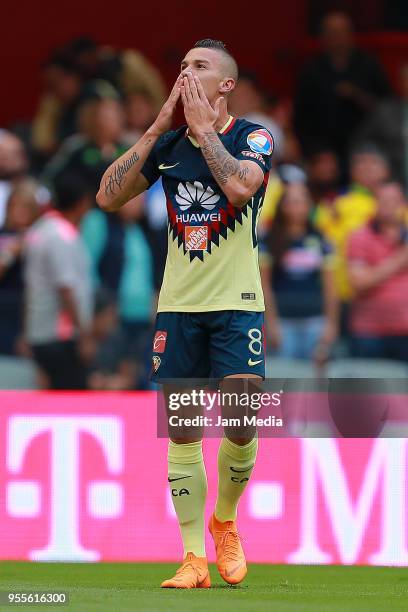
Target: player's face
point(208, 66)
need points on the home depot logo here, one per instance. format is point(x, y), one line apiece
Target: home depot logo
point(196, 237)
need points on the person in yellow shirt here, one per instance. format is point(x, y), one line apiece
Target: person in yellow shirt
point(348, 212)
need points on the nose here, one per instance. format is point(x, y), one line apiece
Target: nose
point(187, 69)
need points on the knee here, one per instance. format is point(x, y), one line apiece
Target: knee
point(240, 441)
point(185, 440)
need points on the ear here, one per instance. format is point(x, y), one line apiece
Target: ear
point(227, 86)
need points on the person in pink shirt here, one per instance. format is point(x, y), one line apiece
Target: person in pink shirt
point(378, 272)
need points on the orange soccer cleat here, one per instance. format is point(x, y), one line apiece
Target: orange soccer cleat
point(231, 562)
point(193, 574)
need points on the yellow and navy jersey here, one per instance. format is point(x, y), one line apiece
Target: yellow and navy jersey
point(212, 258)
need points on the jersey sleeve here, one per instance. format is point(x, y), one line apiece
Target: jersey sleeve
point(150, 169)
point(255, 143)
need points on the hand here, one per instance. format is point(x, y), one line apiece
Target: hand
point(22, 348)
point(329, 335)
point(322, 351)
point(164, 119)
point(86, 347)
point(273, 334)
point(200, 115)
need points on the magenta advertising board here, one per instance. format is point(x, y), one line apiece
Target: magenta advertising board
point(83, 477)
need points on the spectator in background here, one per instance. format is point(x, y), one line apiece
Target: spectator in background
point(57, 114)
point(378, 268)
point(323, 176)
point(13, 166)
point(140, 113)
point(155, 208)
point(297, 278)
point(100, 142)
point(108, 370)
point(126, 69)
point(337, 89)
point(58, 290)
point(284, 174)
point(69, 72)
point(348, 212)
point(248, 101)
point(23, 208)
point(122, 264)
point(387, 128)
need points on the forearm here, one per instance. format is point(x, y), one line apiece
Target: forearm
point(366, 278)
point(330, 300)
point(233, 176)
point(69, 304)
point(119, 183)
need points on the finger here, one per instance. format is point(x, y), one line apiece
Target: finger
point(174, 96)
point(223, 105)
point(183, 95)
point(175, 92)
point(193, 87)
point(200, 90)
point(219, 105)
point(187, 89)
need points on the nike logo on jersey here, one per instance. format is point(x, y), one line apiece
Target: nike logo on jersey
point(254, 363)
point(179, 478)
point(166, 167)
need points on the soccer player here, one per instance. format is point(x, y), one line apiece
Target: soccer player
point(210, 311)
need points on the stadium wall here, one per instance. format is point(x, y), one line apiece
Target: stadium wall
point(83, 478)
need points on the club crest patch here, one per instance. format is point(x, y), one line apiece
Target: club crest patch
point(156, 361)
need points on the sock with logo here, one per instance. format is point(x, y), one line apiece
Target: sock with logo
point(188, 489)
point(235, 465)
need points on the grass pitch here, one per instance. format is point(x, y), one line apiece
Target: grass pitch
point(127, 587)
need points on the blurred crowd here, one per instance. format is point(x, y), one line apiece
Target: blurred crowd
point(78, 287)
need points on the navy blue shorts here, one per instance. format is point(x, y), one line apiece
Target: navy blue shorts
point(208, 344)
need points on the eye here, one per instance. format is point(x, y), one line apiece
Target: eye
point(200, 66)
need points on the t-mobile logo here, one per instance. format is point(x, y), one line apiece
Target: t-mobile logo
point(25, 498)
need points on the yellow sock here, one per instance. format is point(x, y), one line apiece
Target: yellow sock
point(235, 465)
point(188, 488)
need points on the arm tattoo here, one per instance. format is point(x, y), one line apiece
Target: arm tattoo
point(221, 163)
point(242, 174)
point(116, 178)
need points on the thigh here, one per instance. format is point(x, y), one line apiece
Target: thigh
point(182, 411)
point(180, 347)
point(236, 343)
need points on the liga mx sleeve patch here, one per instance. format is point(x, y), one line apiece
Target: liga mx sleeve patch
point(260, 141)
